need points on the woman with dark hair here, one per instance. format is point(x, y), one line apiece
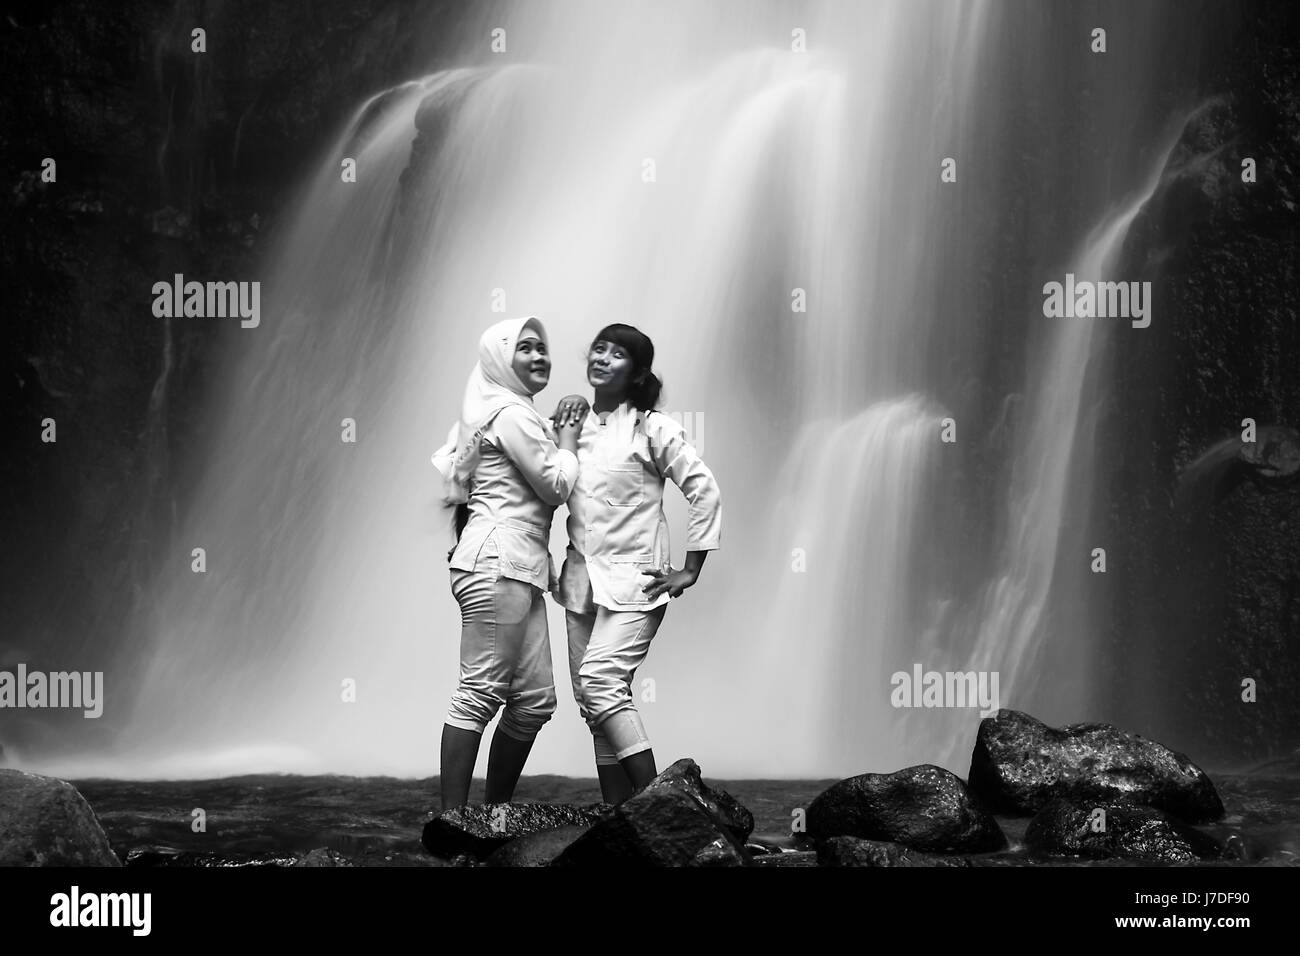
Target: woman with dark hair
point(505, 473)
point(617, 579)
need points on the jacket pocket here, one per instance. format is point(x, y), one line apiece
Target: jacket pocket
point(625, 578)
point(520, 552)
point(524, 564)
point(624, 485)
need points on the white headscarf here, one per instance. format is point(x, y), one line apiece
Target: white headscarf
point(492, 386)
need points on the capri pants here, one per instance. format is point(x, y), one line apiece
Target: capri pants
point(505, 652)
point(605, 649)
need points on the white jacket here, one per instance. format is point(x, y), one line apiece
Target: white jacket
point(520, 478)
point(616, 525)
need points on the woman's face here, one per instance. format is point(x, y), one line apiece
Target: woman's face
point(609, 367)
point(532, 363)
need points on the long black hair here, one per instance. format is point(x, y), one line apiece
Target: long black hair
point(643, 394)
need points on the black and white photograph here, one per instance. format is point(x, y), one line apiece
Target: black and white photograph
point(650, 435)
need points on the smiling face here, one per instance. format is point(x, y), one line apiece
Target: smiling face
point(609, 367)
point(532, 362)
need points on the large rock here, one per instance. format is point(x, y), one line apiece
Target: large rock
point(924, 807)
point(1124, 830)
point(46, 822)
point(481, 830)
point(674, 821)
point(684, 776)
point(536, 849)
point(664, 828)
point(850, 851)
point(1020, 764)
point(722, 852)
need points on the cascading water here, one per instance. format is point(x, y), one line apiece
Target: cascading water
point(682, 169)
point(1011, 630)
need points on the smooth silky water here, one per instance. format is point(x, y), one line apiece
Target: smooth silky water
point(677, 167)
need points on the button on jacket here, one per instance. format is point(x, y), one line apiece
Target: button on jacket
point(521, 476)
point(616, 520)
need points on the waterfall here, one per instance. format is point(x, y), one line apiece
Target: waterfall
point(819, 300)
point(1011, 630)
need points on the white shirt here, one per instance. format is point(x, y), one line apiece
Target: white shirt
point(520, 478)
point(616, 525)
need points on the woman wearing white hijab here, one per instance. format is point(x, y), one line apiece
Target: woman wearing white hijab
point(502, 465)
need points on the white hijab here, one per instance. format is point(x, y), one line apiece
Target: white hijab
point(492, 386)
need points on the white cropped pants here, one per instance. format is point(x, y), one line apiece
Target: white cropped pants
point(505, 653)
point(605, 649)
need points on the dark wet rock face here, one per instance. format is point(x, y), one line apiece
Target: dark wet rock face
point(167, 162)
point(536, 849)
point(850, 851)
point(675, 821)
point(663, 828)
point(1116, 830)
point(480, 830)
point(684, 776)
point(46, 822)
point(722, 852)
point(1204, 521)
point(1020, 764)
point(925, 808)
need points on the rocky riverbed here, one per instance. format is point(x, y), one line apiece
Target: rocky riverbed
point(1083, 795)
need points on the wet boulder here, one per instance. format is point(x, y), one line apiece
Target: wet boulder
point(1117, 830)
point(664, 828)
point(684, 776)
point(481, 830)
point(536, 849)
point(1020, 764)
point(675, 821)
point(44, 821)
point(722, 852)
point(924, 808)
